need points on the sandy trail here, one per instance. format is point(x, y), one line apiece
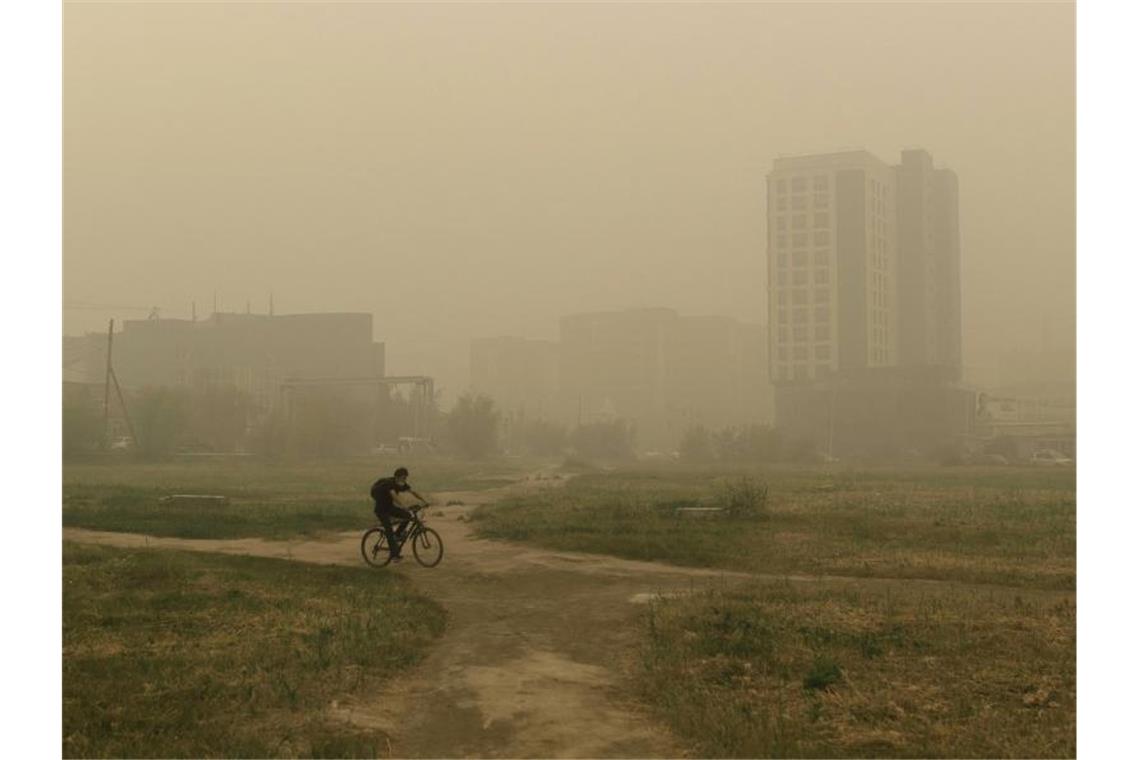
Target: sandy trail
point(533, 660)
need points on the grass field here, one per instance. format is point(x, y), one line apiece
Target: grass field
point(266, 499)
point(172, 654)
point(1015, 527)
point(834, 670)
point(884, 666)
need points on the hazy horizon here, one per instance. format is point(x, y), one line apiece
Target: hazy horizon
point(470, 170)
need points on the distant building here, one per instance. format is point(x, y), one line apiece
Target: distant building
point(253, 352)
point(864, 302)
point(662, 371)
point(520, 375)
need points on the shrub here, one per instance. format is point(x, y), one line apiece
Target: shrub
point(744, 498)
point(824, 674)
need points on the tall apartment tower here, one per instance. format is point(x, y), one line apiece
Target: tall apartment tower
point(929, 268)
point(865, 338)
point(832, 265)
point(863, 266)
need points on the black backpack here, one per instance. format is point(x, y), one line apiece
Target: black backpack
point(382, 487)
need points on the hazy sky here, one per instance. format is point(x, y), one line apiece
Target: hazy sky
point(463, 170)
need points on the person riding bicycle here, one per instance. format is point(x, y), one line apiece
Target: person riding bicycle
point(384, 493)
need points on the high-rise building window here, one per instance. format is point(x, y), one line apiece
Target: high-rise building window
point(782, 260)
point(782, 316)
point(799, 316)
point(799, 258)
point(781, 241)
point(800, 352)
point(782, 353)
point(822, 295)
point(799, 297)
point(799, 277)
point(801, 372)
point(822, 314)
point(819, 182)
point(799, 202)
point(782, 297)
point(782, 203)
point(823, 351)
point(799, 334)
point(781, 277)
point(799, 184)
point(823, 332)
point(821, 219)
point(822, 237)
point(822, 257)
point(781, 186)
point(822, 276)
point(799, 221)
point(800, 239)
point(782, 334)
point(781, 222)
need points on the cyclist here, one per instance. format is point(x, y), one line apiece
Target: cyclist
point(384, 493)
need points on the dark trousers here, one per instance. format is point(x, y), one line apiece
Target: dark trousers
point(385, 514)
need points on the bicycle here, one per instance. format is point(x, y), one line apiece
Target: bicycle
point(427, 546)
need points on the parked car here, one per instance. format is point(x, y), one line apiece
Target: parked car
point(1049, 457)
point(409, 445)
point(385, 448)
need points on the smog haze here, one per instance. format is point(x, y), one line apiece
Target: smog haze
point(475, 170)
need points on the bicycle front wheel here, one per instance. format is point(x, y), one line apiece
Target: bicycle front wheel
point(428, 547)
point(374, 547)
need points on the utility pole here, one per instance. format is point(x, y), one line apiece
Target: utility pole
point(107, 387)
point(110, 379)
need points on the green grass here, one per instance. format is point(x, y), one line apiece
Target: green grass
point(877, 670)
point(173, 654)
point(1004, 526)
point(266, 499)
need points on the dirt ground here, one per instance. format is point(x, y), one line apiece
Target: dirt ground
point(536, 652)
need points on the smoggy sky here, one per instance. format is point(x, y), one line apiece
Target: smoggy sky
point(463, 170)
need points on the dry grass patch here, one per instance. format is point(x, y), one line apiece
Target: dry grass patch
point(173, 654)
point(827, 670)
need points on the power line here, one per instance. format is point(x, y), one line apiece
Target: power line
point(81, 305)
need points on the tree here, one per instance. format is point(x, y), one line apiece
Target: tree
point(220, 416)
point(473, 425)
point(328, 422)
point(611, 441)
point(160, 417)
point(545, 439)
point(696, 444)
point(82, 427)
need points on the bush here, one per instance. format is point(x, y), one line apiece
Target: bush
point(744, 498)
point(824, 673)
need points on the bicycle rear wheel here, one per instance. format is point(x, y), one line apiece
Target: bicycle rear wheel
point(374, 547)
point(427, 546)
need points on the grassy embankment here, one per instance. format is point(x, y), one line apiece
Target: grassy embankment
point(267, 499)
point(178, 654)
point(878, 666)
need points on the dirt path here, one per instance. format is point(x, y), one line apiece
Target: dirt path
point(532, 662)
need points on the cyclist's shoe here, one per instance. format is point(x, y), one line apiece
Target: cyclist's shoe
point(396, 558)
